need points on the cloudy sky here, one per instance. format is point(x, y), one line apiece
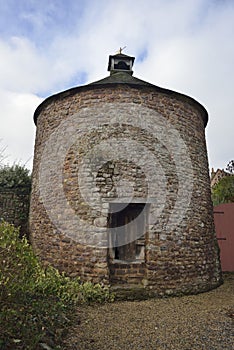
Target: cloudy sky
point(51, 45)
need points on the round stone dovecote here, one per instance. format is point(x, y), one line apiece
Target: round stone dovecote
point(121, 188)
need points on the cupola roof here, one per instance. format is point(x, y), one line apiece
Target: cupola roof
point(120, 68)
point(120, 63)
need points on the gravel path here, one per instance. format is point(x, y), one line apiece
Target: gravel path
point(202, 322)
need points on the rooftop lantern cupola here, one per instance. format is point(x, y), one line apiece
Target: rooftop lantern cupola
point(120, 63)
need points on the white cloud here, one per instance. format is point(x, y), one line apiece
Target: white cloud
point(25, 68)
point(186, 45)
point(17, 128)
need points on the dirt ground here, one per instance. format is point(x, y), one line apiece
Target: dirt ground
point(203, 322)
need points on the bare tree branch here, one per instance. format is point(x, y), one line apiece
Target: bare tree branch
point(3, 156)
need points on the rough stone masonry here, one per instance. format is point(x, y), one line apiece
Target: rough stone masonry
point(121, 188)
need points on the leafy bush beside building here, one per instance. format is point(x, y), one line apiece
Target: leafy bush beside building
point(223, 192)
point(36, 302)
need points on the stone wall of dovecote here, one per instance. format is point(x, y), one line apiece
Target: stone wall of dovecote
point(69, 227)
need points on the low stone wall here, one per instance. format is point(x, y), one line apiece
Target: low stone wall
point(14, 207)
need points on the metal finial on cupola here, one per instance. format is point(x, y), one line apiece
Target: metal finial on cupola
point(121, 49)
point(120, 62)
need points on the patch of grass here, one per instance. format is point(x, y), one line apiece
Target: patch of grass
point(36, 304)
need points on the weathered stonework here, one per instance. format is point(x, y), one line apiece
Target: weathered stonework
point(70, 221)
point(14, 207)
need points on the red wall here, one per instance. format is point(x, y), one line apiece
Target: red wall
point(224, 225)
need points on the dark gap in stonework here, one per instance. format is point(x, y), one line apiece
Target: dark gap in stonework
point(133, 234)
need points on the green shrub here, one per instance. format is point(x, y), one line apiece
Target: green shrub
point(68, 290)
point(19, 266)
point(15, 176)
point(36, 303)
point(223, 192)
